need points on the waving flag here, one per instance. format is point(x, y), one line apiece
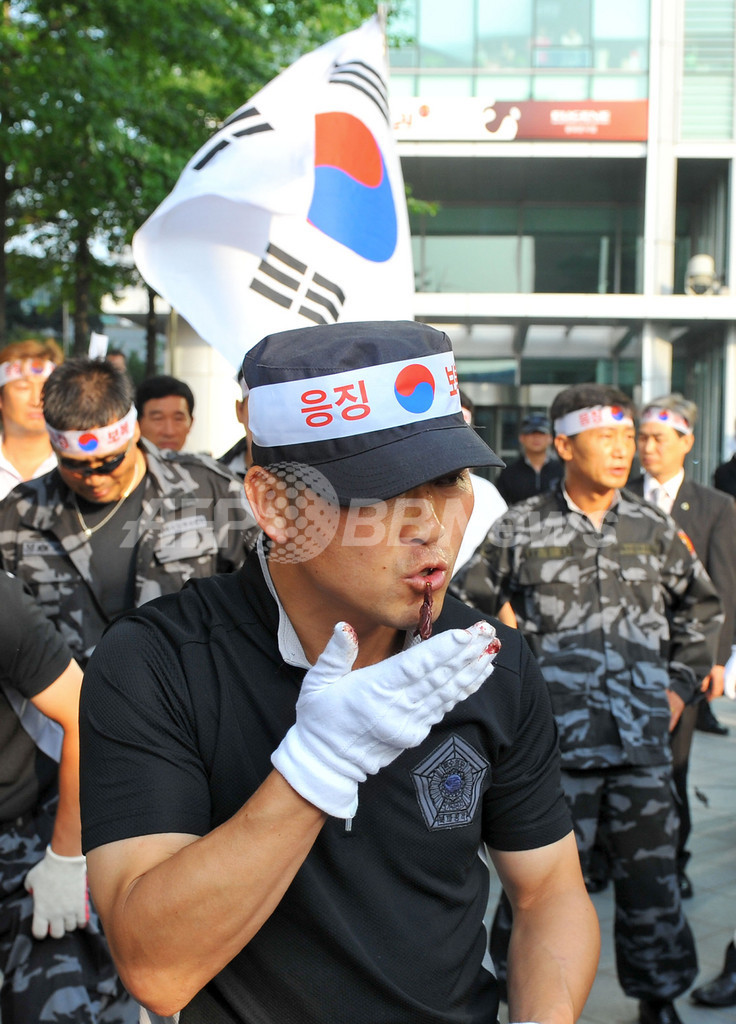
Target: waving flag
point(294, 213)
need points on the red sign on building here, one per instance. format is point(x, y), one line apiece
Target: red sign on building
point(476, 119)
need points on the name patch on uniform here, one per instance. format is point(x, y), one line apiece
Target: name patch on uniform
point(632, 549)
point(184, 525)
point(41, 548)
point(448, 784)
point(549, 552)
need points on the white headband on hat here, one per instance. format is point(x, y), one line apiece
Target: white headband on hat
point(98, 441)
point(17, 369)
point(354, 401)
point(596, 416)
point(666, 418)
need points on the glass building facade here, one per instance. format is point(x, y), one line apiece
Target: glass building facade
point(567, 174)
point(525, 50)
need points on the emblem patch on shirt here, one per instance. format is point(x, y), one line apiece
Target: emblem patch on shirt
point(448, 784)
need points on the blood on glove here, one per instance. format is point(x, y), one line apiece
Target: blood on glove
point(351, 723)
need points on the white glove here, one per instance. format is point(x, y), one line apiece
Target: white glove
point(59, 887)
point(350, 724)
point(729, 675)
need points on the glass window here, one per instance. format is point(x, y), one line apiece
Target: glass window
point(470, 220)
point(403, 20)
point(558, 371)
point(619, 55)
point(511, 87)
point(444, 85)
point(573, 263)
point(560, 87)
point(402, 32)
point(500, 370)
point(708, 81)
point(562, 22)
point(446, 41)
point(504, 34)
point(465, 263)
point(626, 87)
point(621, 19)
point(583, 219)
point(563, 57)
point(401, 85)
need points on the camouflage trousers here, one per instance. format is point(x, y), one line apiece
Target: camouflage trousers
point(71, 980)
point(635, 808)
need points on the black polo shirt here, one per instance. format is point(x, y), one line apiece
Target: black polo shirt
point(32, 657)
point(184, 702)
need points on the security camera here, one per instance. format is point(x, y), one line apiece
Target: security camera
point(701, 277)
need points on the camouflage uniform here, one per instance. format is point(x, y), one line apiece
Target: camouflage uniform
point(67, 979)
point(615, 617)
point(194, 523)
point(70, 980)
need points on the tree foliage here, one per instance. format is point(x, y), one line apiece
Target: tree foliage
point(102, 102)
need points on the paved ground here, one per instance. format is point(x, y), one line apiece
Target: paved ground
point(712, 910)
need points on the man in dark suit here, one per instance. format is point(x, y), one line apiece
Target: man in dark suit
point(724, 477)
point(708, 518)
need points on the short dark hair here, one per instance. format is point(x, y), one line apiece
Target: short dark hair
point(32, 348)
point(466, 402)
point(162, 386)
point(585, 396)
point(85, 393)
point(677, 403)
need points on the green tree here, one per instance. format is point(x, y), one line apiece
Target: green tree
point(102, 102)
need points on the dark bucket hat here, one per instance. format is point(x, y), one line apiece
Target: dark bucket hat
point(374, 406)
point(536, 423)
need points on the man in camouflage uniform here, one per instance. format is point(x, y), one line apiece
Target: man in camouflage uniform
point(54, 962)
point(117, 523)
point(623, 621)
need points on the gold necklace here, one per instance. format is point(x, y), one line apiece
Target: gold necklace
point(89, 530)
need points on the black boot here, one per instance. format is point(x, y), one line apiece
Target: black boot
point(707, 721)
point(722, 990)
point(658, 1011)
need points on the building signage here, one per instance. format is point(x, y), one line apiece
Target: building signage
point(474, 120)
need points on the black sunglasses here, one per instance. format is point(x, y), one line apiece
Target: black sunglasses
point(83, 469)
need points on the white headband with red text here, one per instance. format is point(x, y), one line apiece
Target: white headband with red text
point(17, 369)
point(596, 416)
point(666, 418)
point(354, 401)
point(97, 441)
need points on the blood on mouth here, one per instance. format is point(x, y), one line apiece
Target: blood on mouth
point(424, 629)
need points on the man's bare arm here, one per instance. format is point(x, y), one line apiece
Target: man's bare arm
point(177, 908)
point(60, 702)
point(555, 941)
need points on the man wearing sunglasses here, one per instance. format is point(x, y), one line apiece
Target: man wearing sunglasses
point(115, 524)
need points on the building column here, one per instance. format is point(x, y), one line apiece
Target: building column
point(656, 360)
point(660, 201)
point(212, 380)
point(729, 390)
point(660, 198)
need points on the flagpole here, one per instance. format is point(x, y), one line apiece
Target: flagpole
point(382, 15)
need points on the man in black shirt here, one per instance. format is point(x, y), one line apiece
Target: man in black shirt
point(536, 469)
point(48, 932)
point(285, 786)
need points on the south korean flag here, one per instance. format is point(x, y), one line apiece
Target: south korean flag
point(294, 213)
